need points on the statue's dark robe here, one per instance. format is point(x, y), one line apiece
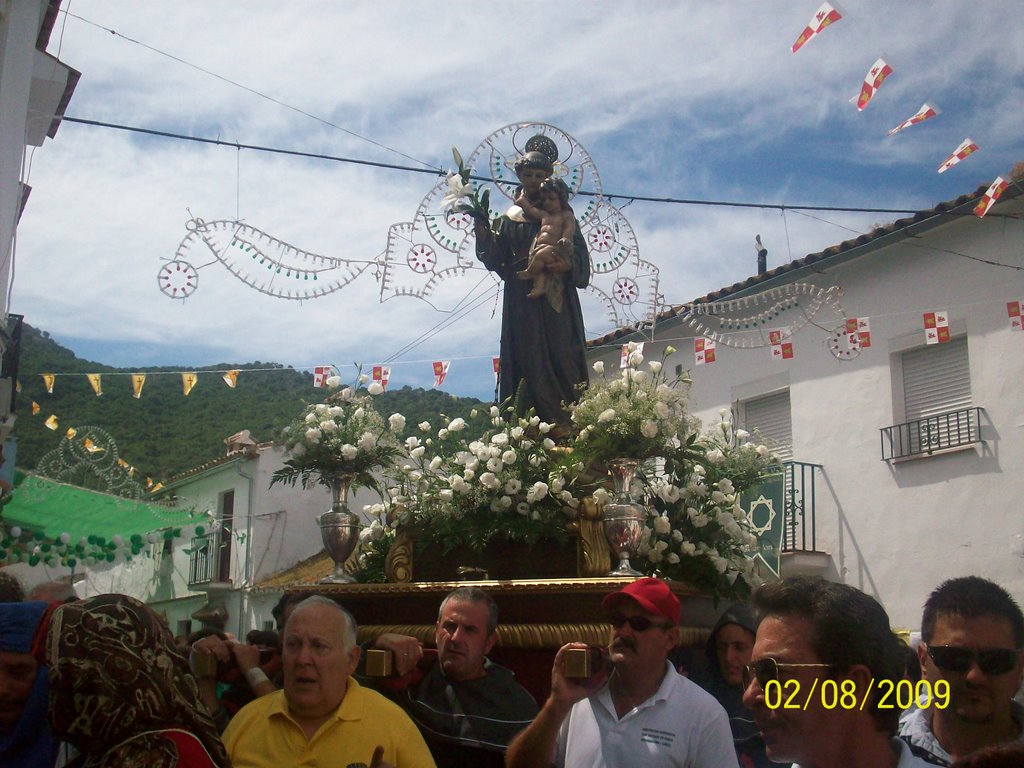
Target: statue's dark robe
point(542, 349)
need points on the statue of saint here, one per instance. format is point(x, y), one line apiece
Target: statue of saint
point(543, 358)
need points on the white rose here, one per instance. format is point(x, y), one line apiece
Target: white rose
point(661, 409)
point(495, 465)
point(762, 451)
point(457, 425)
point(358, 413)
point(599, 366)
point(509, 457)
point(635, 359)
point(446, 494)
point(517, 433)
point(311, 418)
point(333, 381)
point(539, 490)
point(375, 388)
point(504, 503)
point(328, 425)
point(655, 367)
point(523, 508)
point(489, 480)
point(494, 411)
point(687, 548)
point(649, 429)
point(458, 484)
point(500, 439)
point(418, 451)
point(670, 350)
point(662, 525)
point(543, 427)
point(367, 442)
point(725, 485)
point(412, 442)
point(557, 483)
point(672, 558)
point(349, 452)
point(346, 394)
point(513, 485)
point(742, 435)
point(313, 435)
point(606, 415)
point(442, 433)
point(715, 456)
point(335, 410)
point(534, 421)
point(396, 422)
point(435, 463)
point(698, 469)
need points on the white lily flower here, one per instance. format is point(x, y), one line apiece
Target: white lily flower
point(457, 189)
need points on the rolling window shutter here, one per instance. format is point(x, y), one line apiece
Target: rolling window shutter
point(936, 379)
point(770, 418)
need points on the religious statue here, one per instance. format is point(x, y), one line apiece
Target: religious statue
point(543, 360)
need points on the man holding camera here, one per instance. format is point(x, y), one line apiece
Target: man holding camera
point(637, 710)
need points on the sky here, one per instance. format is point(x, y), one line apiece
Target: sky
point(695, 101)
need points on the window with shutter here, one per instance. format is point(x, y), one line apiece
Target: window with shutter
point(771, 418)
point(936, 388)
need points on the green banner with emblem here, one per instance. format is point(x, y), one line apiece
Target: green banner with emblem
point(766, 510)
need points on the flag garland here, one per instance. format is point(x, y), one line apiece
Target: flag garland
point(966, 149)
point(993, 193)
point(936, 327)
point(925, 112)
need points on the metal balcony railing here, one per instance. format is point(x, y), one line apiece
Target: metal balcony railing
point(800, 532)
point(934, 433)
point(204, 560)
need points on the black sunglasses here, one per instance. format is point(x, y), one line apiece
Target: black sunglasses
point(767, 669)
point(636, 623)
point(991, 661)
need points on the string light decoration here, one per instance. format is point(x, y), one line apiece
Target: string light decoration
point(744, 323)
point(261, 261)
point(89, 458)
point(437, 245)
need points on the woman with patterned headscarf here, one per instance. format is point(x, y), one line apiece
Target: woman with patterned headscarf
point(25, 738)
point(121, 693)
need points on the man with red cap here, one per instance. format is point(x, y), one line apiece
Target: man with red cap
point(637, 711)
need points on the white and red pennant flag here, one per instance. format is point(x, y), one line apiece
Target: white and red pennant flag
point(703, 351)
point(966, 148)
point(825, 15)
point(1013, 311)
point(382, 374)
point(496, 365)
point(872, 82)
point(990, 196)
point(440, 371)
point(781, 350)
point(858, 332)
point(320, 375)
point(936, 327)
point(926, 111)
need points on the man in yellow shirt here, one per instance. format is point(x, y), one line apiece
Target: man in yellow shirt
point(323, 717)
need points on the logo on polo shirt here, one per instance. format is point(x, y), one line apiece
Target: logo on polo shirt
point(654, 736)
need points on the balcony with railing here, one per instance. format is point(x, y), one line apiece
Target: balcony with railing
point(205, 560)
point(799, 505)
point(926, 436)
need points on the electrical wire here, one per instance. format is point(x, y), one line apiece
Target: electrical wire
point(243, 87)
point(441, 172)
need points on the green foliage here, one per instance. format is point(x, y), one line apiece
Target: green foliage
point(164, 432)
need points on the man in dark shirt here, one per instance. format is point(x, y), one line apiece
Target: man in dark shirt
point(466, 707)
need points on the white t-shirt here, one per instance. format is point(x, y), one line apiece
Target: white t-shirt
point(680, 726)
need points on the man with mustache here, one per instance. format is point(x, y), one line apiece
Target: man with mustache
point(813, 635)
point(637, 710)
point(973, 633)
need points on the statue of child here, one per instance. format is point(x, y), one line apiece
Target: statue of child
point(550, 254)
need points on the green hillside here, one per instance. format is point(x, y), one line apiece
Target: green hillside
point(164, 432)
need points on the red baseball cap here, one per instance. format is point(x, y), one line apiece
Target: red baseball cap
point(653, 595)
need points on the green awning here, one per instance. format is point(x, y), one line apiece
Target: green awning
point(39, 504)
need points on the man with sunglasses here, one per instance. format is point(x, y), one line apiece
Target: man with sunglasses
point(972, 633)
point(637, 711)
point(817, 637)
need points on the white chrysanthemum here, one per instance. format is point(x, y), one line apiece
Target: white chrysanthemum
point(349, 452)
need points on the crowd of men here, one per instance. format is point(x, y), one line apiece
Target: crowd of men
point(809, 674)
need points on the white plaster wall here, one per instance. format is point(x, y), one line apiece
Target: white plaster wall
point(897, 530)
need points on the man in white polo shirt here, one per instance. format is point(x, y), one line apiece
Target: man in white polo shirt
point(638, 711)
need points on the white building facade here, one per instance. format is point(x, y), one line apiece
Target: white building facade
point(905, 455)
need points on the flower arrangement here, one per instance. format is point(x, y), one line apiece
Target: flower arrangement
point(342, 436)
point(637, 414)
point(460, 188)
point(699, 532)
point(508, 481)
